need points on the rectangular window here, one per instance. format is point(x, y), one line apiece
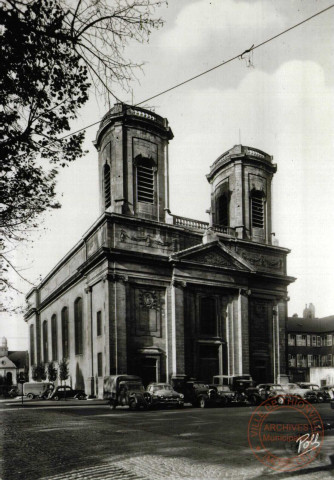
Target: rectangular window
point(99, 365)
point(299, 360)
point(301, 340)
point(308, 340)
point(291, 340)
point(208, 316)
point(314, 340)
point(329, 360)
point(318, 341)
point(292, 360)
point(98, 324)
point(310, 360)
point(329, 340)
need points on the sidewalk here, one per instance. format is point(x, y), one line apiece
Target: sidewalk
point(42, 403)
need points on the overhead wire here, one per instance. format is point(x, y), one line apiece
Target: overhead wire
point(240, 55)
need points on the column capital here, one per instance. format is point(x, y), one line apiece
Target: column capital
point(88, 289)
point(245, 292)
point(178, 283)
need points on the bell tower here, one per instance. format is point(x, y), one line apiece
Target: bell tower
point(133, 162)
point(241, 193)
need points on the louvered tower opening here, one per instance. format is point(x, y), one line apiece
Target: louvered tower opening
point(257, 210)
point(145, 181)
point(106, 181)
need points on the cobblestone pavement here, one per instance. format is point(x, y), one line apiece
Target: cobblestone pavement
point(81, 442)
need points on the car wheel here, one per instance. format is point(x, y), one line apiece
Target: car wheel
point(280, 400)
point(30, 396)
point(253, 400)
point(56, 398)
point(321, 399)
point(133, 405)
point(223, 402)
point(202, 402)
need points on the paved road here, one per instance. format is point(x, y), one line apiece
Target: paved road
point(89, 441)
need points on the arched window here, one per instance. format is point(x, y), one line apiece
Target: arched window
point(223, 217)
point(45, 341)
point(65, 332)
point(257, 209)
point(145, 180)
point(106, 184)
point(54, 337)
point(32, 345)
point(78, 327)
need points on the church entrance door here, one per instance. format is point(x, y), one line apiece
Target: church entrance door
point(149, 372)
point(208, 362)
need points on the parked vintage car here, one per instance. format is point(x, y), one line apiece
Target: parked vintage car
point(197, 393)
point(237, 383)
point(163, 395)
point(329, 390)
point(126, 390)
point(241, 385)
point(225, 396)
point(64, 392)
point(270, 390)
point(295, 390)
point(14, 392)
point(322, 395)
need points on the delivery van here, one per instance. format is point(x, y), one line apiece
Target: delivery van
point(37, 389)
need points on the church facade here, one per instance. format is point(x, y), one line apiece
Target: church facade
point(151, 293)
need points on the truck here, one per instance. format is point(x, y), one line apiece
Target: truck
point(126, 390)
point(36, 389)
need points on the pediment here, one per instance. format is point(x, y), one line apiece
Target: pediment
point(214, 254)
point(5, 362)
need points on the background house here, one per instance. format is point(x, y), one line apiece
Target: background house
point(311, 348)
point(12, 363)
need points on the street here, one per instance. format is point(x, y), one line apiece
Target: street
point(88, 440)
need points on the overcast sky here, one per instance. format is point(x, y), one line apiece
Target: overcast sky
point(280, 100)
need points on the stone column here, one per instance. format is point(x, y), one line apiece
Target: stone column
point(177, 330)
point(243, 331)
point(279, 314)
point(117, 325)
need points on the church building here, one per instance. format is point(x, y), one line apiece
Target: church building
point(151, 293)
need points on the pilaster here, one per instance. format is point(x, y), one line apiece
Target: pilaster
point(117, 324)
point(177, 331)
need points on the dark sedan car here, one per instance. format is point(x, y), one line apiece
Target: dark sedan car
point(163, 394)
point(65, 391)
point(322, 396)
